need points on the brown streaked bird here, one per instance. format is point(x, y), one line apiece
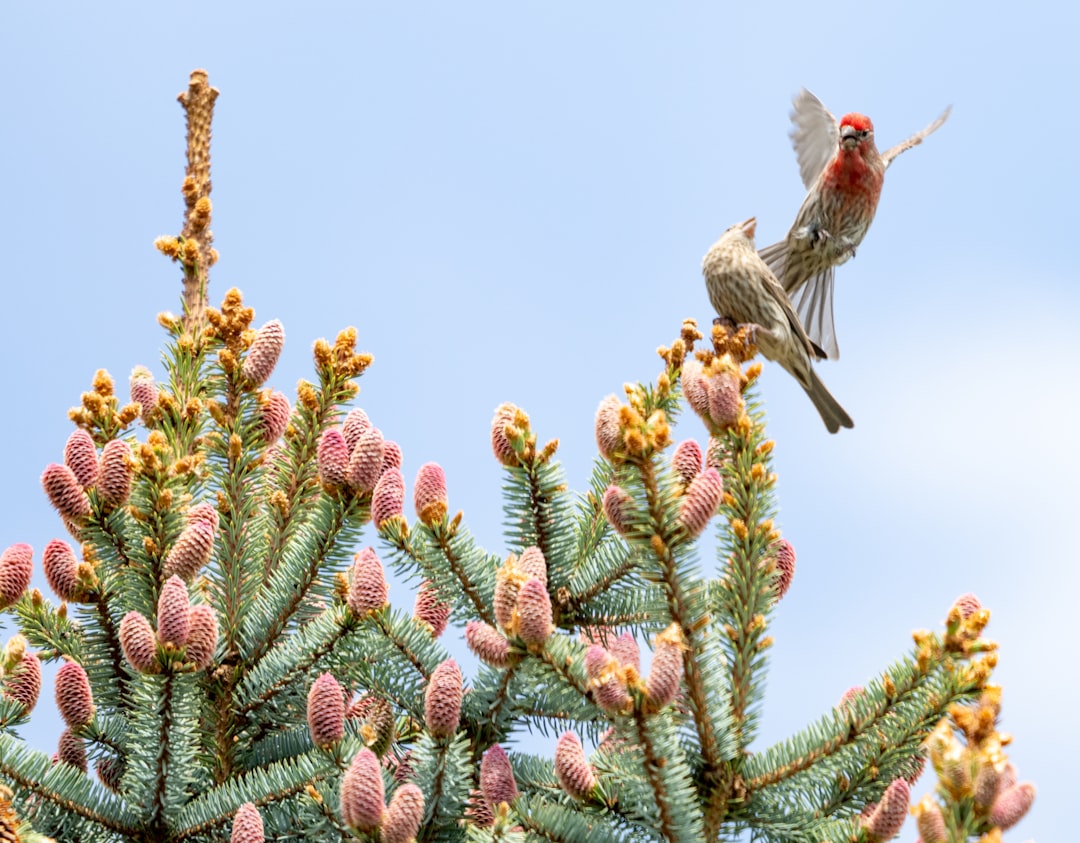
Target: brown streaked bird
point(742, 288)
point(843, 172)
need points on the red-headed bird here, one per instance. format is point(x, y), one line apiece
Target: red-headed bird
point(843, 172)
point(742, 288)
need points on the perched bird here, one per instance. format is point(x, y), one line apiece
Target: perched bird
point(742, 288)
point(843, 172)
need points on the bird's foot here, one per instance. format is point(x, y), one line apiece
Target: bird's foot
point(726, 322)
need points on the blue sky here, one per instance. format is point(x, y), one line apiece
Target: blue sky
point(511, 202)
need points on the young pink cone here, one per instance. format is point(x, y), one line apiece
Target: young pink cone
point(442, 700)
point(403, 769)
point(534, 613)
point(110, 772)
point(204, 511)
point(430, 610)
point(889, 815)
point(1012, 804)
point(968, 604)
point(65, 492)
point(379, 729)
point(429, 494)
point(403, 815)
point(16, 568)
point(391, 455)
point(500, 444)
point(388, 499)
point(264, 352)
point(332, 457)
point(23, 682)
point(626, 651)
point(694, 387)
point(137, 641)
point(478, 812)
point(115, 470)
point(497, 777)
point(202, 636)
point(368, 591)
point(365, 462)
point(785, 568)
point(930, 821)
point(725, 399)
point(326, 711)
point(489, 645)
point(144, 391)
point(61, 568)
point(73, 696)
point(356, 422)
point(532, 562)
point(607, 684)
point(619, 509)
point(71, 750)
point(174, 613)
point(80, 455)
point(572, 768)
point(667, 668)
point(362, 804)
point(247, 825)
point(608, 436)
point(987, 784)
point(273, 417)
point(686, 461)
point(700, 502)
point(193, 548)
point(508, 582)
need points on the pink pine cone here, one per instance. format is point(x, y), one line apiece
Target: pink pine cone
point(137, 641)
point(1012, 804)
point(532, 562)
point(204, 511)
point(608, 686)
point(785, 568)
point(80, 455)
point(23, 682)
point(619, 509)
point(700, 502)
point(968, 604)
point(388, 499)
point(264, 352)
point(403, 815)
point(16, 568)
point(489, 645)
point(110, 771)
point(442, 700)
point(114, 477)
point(356, 422)
point(725, 399)
point(71, 750)
point(608, 435)
point(429, 494)
point(666, 670)
point(695, 388)
point(430, 610)
point(626, 651)
point(247, 825)
point(73, 696)
point(889, 815)
point(65, 492)
point(62, 570)
point(273, 417)
point(362, 804)
point(534, 613)
point(572, 768)
point(391, 455)
point(144, 391)
point(500, 444)
point(478, 812)
point(332, 457)
point(326, 711)
point(686, 461)
point(173, 612)
point(365, 462)
point(202, 635)
point(368, 591)
point(930, 822)
point(497, 777)
point(193, 547)
point(508, 581)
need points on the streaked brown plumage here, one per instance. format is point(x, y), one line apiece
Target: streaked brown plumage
point(742, 288)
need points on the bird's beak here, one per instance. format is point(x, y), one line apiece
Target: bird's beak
point(849, 136)
point(749, 227)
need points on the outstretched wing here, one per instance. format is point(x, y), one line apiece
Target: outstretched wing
point(815, 135)
point(813, 301)
point(889, 154)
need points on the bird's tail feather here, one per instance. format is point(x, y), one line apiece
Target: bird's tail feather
point(828, 407)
